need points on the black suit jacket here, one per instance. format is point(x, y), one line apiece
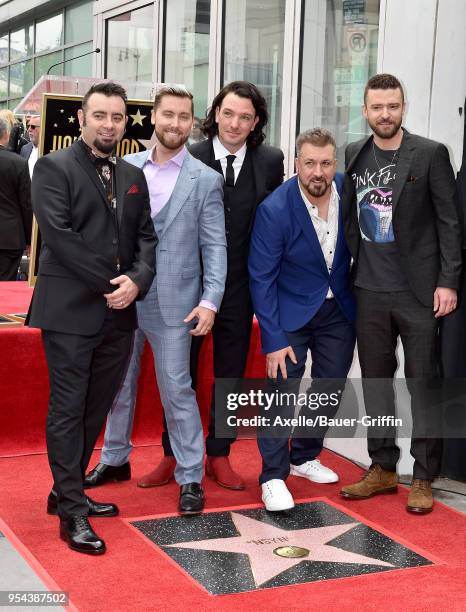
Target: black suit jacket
point(15, 202)
point(267, 163)
point(425, 217)
point(80, 246)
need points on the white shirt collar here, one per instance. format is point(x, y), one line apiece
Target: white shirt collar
point(221, 152)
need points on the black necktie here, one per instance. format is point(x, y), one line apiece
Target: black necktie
point(230, 173)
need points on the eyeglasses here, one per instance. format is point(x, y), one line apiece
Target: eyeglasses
point(33, 127)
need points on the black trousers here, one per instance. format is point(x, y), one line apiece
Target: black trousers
point(231, 338)
point(85, 373)
point(9, 263)
point(382, 317)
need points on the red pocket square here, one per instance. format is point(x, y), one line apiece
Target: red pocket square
point(133, 189)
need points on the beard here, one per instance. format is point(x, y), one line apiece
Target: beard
point(385, 129)
point(316, 189)
point(171, 144)
point(104, 147)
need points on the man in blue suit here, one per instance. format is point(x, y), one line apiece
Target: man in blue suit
point(299, 266)
point(186, 200)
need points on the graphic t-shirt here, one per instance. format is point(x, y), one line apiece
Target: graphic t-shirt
point(379, 263)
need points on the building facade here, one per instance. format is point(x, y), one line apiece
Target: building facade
point(311, 58)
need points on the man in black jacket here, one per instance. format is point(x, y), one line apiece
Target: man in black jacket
point(403, 232)
point(15, 208)
point(97, 258)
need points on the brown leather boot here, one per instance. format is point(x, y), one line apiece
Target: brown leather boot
point(220, 470)
point(162, 474)
point(374, 482)
point(420, 500)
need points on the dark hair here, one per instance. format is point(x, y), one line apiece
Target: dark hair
point(318, 137)
point(383, 81)
point(173, 90)
point(107, 88)
point(243, 89)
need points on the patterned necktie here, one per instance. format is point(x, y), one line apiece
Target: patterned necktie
point(230, 173)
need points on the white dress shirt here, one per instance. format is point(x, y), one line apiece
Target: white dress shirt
point(327, 231)
point(221, 153)
point(32, 159)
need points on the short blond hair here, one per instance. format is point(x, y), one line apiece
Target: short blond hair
point(8, 116)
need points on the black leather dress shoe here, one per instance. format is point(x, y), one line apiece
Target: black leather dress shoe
point(103, 473)
point(95, 508)
point(79, 535)
point(191, 499)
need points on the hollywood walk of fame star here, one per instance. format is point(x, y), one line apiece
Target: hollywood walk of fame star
point(138, 118)
point(258, 540)
point(71, 119)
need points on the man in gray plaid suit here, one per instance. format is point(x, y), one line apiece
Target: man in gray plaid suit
point(186, 199)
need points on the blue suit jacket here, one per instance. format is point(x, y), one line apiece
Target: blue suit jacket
point(289, 279)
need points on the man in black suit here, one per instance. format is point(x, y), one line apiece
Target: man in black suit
point(252, 170)
point(97, 258)
point(402, 228)
point(15, 208)
point(30, 151)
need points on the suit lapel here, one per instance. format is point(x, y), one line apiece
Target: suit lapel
point(341, 232)
point(402, 169)
point(183, 187)
point(357, 150)
point(120, 189)
point(210, 160)
point(302, 215)
point(259, 171)
point(85, 162)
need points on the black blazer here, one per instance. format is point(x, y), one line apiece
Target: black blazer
point(80, 246)
point(267, 163)
point(425, 217)
point(15, 202)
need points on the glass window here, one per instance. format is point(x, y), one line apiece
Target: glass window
point(12, 104)
point(22, 43)
point(49, 33)
point(340, 46)
point(4, 49)
point(3, 82)
point(81, 66)
point(253, 51)
point(78, 23)
point(130, 39)
point(44, 62)
point(21, 78)
point(186, 48)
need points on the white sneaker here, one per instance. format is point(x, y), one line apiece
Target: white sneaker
point(314, 471)
point(276, 496)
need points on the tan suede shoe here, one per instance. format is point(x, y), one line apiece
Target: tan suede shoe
point(375, 481)
point(420, 500)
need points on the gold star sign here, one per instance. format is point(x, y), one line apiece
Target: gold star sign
point(138, 118)
point(71, 119)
